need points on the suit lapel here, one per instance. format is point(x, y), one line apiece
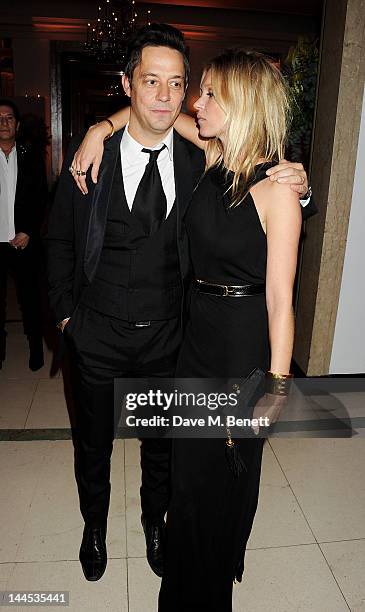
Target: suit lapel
point(183, 177)
point(99, 205)
point(21, 172)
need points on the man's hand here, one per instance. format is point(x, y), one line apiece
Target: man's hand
point(20, 240)
point(89, 153)
point(62, 324)
point(291, 173)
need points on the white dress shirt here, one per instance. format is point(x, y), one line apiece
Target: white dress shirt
point(304, 203)
point(8, 179)
point(134, 163)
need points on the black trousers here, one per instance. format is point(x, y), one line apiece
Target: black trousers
point(103, 348)
point(24, 267)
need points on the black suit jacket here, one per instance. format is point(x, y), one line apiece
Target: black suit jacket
point(77, 223)
point(31, 192)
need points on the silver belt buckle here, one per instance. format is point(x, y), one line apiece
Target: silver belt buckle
point(142, 323)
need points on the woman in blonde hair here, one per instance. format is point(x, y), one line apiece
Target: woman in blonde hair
point(243, 231)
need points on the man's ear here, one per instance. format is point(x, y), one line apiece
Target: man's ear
point(126, 85)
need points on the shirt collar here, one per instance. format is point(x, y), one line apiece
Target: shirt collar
point(12, 152)
point(132, 148)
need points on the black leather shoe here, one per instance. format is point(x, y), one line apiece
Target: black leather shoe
point(93, 556)
point(155, 534)
point(36, 358)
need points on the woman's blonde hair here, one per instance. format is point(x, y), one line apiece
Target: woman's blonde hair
point(252, 92)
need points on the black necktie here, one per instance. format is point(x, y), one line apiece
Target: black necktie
point(149, 204)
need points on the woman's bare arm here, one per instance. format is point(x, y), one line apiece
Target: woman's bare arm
point(283, 222)
point(186, 126)
point(279, 212)
point(90, 151)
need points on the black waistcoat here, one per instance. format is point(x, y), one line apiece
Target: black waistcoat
point(138, 276)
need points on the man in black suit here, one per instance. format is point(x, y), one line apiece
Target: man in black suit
point(23, 195)
point(118, 270)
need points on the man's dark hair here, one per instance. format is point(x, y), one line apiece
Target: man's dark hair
point(154, 35)
point(13, 106)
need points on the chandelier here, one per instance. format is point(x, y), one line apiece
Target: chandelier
point(107, 35)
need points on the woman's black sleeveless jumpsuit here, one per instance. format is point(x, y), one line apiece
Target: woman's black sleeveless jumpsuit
point(211, 513)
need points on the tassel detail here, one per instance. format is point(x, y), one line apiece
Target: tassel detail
point(233, 456)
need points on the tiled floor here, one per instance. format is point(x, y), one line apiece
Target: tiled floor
point(306, 552)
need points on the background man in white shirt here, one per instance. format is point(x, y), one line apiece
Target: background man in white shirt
point(23, 193)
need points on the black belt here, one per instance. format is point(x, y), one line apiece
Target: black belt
point(228, 290)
